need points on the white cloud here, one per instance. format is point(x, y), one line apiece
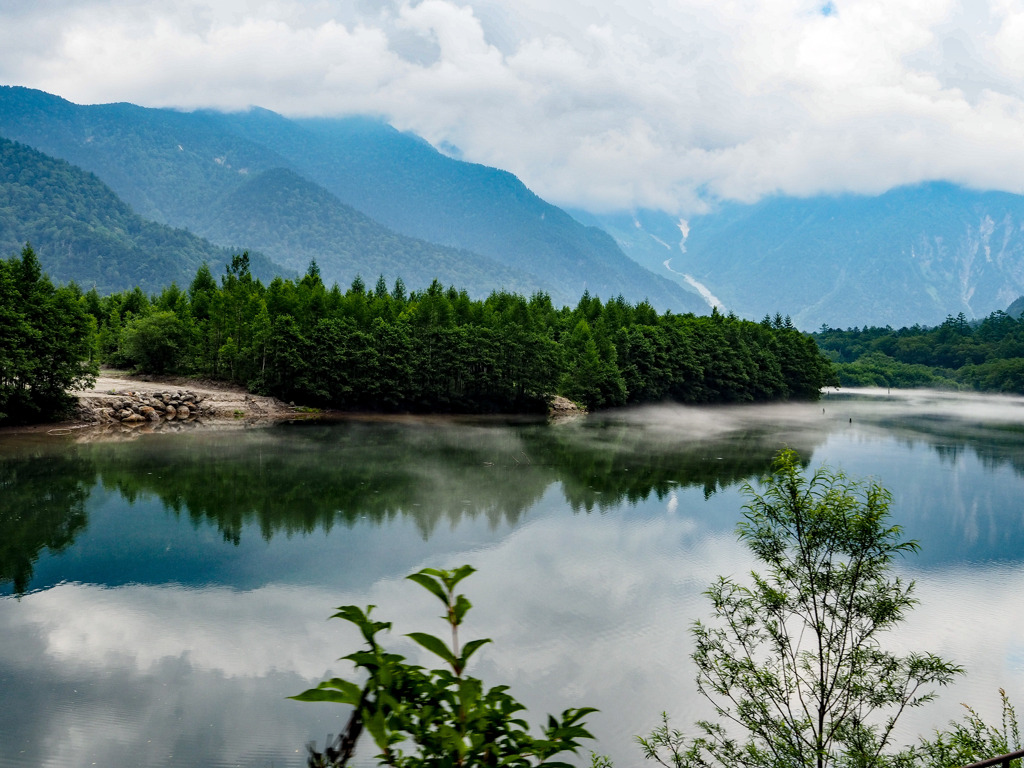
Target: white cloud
point(605, 105)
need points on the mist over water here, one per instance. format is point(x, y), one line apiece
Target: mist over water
point(162, 596)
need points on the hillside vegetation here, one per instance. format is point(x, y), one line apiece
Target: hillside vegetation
point(297, 221)
point(987, 356)
point(192, 170)
point(81, 231)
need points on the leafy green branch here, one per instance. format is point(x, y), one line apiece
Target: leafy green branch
point(437, 717)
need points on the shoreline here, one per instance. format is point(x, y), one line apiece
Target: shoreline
point(120, 404)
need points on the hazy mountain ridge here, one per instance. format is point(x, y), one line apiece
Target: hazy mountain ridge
point(912, 255)
point(298, 221)
point(82, 231)
point(169, 166)
point(1016, 309)
point(179, 168)
point(401, 181)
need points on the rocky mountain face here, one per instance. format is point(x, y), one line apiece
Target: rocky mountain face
point(912, 255)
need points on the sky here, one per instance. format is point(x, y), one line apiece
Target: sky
point(601, 105)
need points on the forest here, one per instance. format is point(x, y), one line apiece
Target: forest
point(438, 350)
point(987, 355)
point(46, 342)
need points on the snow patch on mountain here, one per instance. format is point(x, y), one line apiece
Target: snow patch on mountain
point(705, 293)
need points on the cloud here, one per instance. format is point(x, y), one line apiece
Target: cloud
point(601, 105)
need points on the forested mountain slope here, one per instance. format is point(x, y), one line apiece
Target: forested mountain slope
point(403, 182)
point(82, 231)
point(296, 221)
point(178, 167)
point(1016, 309)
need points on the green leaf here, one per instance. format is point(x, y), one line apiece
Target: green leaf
point(459, 574)
point(434, 645)
point(336, 690)
point(459, 609)
point(470, 648)
point(377, 727)
point(426, 580)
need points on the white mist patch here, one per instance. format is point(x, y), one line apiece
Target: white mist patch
point(705, 293)
point(935, 404)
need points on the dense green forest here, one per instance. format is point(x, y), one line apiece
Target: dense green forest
point(986, 355)
point(385, 349)
point(46, 341)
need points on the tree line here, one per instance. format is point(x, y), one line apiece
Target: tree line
point(389, 349)
point(46, 341)
point(986, 355)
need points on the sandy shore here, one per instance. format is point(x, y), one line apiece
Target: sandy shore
point(212, 404)
point(227, 400)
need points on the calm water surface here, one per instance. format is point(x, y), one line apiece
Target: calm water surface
point(160, 597)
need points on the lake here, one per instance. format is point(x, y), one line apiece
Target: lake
point(160, 597)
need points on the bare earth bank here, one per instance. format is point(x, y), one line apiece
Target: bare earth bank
point(119, 404)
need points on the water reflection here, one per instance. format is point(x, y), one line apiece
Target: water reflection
point(183, 581)
point(299, 479)
point(164, 675)
point(43, 507)
point(304, 478)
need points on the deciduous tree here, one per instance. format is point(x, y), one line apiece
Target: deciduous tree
point(794, 661)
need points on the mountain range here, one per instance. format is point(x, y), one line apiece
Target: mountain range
point(915, 254)
point(362, 198)
point(353, 193)
point(88, 234)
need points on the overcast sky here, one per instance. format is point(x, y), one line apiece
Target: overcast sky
point(599, 104)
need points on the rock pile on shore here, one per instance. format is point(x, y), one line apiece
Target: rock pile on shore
point(129, 407)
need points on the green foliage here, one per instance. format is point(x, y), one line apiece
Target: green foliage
point(44, 507)
point(46, 342)
point(986, 356)
point(436, 717)
point(972, 740)
point(794, 660)
point(154, 341)
point(83, 232)
point(439, 350)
